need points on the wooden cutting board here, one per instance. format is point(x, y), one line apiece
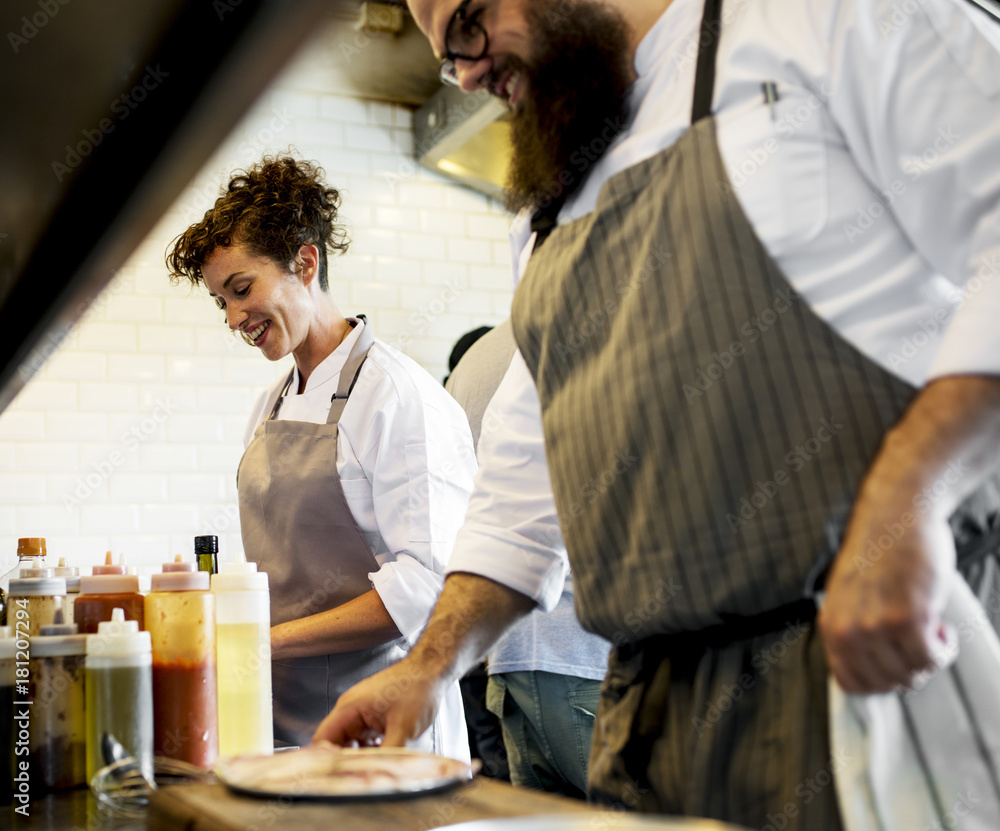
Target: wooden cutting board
point(215, 808)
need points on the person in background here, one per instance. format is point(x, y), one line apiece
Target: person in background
point(485, 731)
point(764, 352)
point(545, 673)
point(358, 465)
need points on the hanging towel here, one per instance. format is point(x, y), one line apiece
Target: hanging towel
point(926, 758)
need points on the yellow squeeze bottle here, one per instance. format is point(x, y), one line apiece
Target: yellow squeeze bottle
point(243, 659)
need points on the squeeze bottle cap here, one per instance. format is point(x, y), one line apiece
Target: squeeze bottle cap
point(179, 581)
point(119, 638)
point(109, 566)
point(71, 573)
point(179, 565)
point(37, 586)
point(37, 571)
point(239, 576)
point(109, 584)
point(63, 570)
point(58, 638)
point(31, 547)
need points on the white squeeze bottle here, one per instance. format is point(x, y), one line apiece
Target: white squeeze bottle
point(243, 658)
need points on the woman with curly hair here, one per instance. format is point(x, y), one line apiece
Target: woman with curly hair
point(358, 465)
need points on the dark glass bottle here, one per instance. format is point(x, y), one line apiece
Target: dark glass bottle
point(206, 552)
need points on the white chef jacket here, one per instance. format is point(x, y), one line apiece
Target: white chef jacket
point(872, 181)
point(405, 460)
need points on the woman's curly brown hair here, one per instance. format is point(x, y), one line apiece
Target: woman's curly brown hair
point(275, 207)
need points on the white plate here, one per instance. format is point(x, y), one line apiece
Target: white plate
point(323, 771)
point(598, 821)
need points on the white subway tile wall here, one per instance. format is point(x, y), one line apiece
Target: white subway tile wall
point(129, 436)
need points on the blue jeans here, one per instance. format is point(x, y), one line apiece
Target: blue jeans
point(547, 721)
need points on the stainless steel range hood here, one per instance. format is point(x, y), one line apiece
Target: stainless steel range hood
point(464, 137)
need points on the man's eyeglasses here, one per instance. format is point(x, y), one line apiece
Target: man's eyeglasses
point(465, 39)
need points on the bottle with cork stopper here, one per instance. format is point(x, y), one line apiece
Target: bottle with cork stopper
point(180, 618)
point(108, 588)
point(30, 554)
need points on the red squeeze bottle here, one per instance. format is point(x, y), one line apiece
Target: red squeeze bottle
point(180, 618)
point(108, 588)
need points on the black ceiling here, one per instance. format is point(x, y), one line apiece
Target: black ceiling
point(107, 110)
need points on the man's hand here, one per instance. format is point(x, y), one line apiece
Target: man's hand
point(390, 708)
point(400, 702)
point(881, 619)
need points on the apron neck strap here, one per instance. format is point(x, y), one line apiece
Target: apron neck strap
point(708, 47)
point(351, 370)
point(544, 220)
point(281, 395)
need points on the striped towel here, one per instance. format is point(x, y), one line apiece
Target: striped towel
point(928, 758)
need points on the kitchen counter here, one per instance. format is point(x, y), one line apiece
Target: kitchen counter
point(75, 810)
point(212, 807)
point(204, 807)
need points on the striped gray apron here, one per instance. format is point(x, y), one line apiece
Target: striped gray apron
point(706, 433)
point(298, 527)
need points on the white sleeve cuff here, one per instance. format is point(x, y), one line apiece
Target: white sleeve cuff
point(971, 344)
point(513, 561)
point(409, 591)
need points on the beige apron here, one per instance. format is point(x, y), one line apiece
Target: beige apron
point(298, 527)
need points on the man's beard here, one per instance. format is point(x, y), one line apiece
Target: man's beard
point(574, 104)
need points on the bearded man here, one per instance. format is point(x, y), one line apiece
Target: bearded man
point(757, 346)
